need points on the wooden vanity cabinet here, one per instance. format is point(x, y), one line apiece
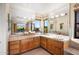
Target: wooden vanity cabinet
point(24, 45)
point(14, 47)
point(43, 42)
point(36, 42)
point(49, 45)
point(55, 47)
point(58, 47)
point(52, 45)
point(30, 43)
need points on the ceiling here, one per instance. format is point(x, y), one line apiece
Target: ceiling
point(30, 10)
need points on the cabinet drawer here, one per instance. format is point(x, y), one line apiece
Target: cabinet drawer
point(36, 37)
point(14, 51)
point(37, 40)
point(24, 41)
point(14, 46)
point(14, 42)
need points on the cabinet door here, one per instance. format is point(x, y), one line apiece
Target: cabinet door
point(36, 42)
point(24, 45)
point(14, 47)
point(14, 51)
point(57, 47)
point(30, 43)
point(43, 42)
point(57, 51)
point(49, 45)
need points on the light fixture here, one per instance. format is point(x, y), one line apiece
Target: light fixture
point(52, 17)
point(57, 16)
point(62, 14)
point(24, 17)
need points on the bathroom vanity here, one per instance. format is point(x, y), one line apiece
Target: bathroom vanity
point(51, 43)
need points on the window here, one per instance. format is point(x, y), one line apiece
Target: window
point(76, 35)
point(46, 26)
point(46, 23)
point(37, 25)
point(20, 27)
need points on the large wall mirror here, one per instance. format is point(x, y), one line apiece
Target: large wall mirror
point(60, 25)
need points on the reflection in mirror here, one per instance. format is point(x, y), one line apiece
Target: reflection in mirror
point(60, 25)
point(37, 25)
point(45, 26)
point(20, 27)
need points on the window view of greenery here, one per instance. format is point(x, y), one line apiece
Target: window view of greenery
point(20, 27)
point(46, 26)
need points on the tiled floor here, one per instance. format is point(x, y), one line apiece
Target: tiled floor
point(66, 53)
point(38, 51)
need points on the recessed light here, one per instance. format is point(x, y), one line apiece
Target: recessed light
point(57, 16)
point(62, 14)
point(52, 17)
point(24, 17)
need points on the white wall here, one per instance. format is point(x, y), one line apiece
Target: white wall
point(3, 28)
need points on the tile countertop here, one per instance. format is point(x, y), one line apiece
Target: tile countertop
point(20, 37)
point(57, 37)
point(51, 36)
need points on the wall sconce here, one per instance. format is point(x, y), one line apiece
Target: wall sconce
point(63, 14)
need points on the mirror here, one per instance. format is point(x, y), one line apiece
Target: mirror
point(60, 25)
